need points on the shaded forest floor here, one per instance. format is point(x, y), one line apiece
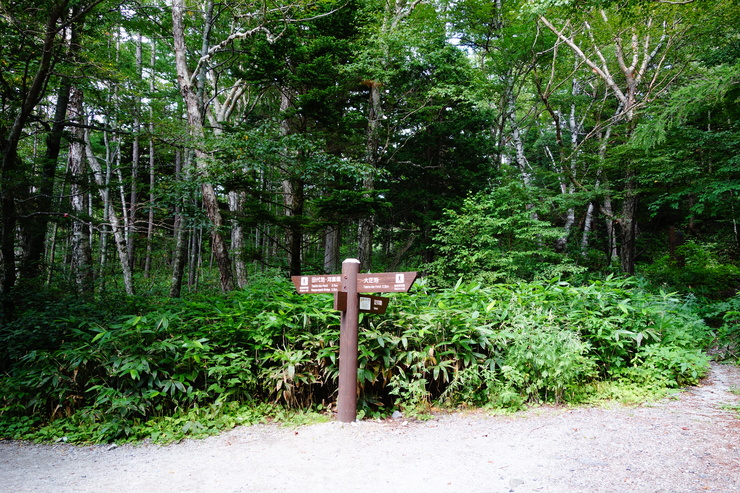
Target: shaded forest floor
point(688, 442)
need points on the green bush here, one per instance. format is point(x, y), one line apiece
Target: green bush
point(549, 361)
point(699, 271)
point(725, 316)
point(498, 235)
point(678, 366)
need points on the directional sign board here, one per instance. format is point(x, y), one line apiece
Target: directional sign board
point(385, 282)
point(317, 284)
point(372, 304)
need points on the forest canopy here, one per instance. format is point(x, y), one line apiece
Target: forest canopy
point(165, 138)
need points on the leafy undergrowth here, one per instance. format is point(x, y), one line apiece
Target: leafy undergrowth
point(191, 368)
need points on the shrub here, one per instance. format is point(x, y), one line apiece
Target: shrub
point(700, 272)
point(498, 236)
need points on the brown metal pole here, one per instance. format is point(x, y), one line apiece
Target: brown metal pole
point(347, 395)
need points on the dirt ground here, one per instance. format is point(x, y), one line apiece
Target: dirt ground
point(686, 443)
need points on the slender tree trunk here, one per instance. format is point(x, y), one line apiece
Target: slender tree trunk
point(51, 252)
point(331, 249)
point(178, 261)
point(293, 193)
point(236, 207)
point(150, 217)
point(135, 154)
point(107, 205)
point(366, 225)
point(152, 175)
point(293, 199)
point(520, 158)
point(104, 231)
point(195, 255)
point(81, 265)
point(566, 186)
point(180, 250)
point(734, 218)
point(115, 223)
point(628, 225)
point(51, 257)
point(587, 227)
point(122, 191)
point(401, 251)
point(611, 235)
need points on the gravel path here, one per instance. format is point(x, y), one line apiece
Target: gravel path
point(683, 444)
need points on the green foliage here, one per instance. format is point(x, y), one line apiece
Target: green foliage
point(708, 89)
point(679, 366)
point(725, 316)
point(115, 376)
point(498, 236)
point(204, 365)
point(547, 362)
point(694, 268)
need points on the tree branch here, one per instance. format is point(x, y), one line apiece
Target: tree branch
point(604, 74)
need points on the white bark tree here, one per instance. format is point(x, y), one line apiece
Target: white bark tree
point(631, 56)
point(110, 213)
point(81, 265)
point(188, 89)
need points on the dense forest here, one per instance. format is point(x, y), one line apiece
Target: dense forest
point(563, 174)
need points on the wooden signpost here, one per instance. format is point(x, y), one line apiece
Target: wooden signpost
point(347, 300)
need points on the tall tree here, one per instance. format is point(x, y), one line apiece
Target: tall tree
point(35, 39)
point(634, 50)
point(187, 80)
point(81, 265)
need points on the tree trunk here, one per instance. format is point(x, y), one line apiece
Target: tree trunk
point(628, 225)
point(734, 219)
point(331, 249)
point(152, 175)
point(193, 106)
point(236, 207)
point(566, 186)
point(115, 223)
point(178, 262)
point(293, 197)
point(366, 225)
point(365, 230)
point(135, 153)
point(81, 264)
point(525, 169)
point(178, 255)
point(587, 227)
point(195, 252)
point(293, 193)
point(612, 251)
